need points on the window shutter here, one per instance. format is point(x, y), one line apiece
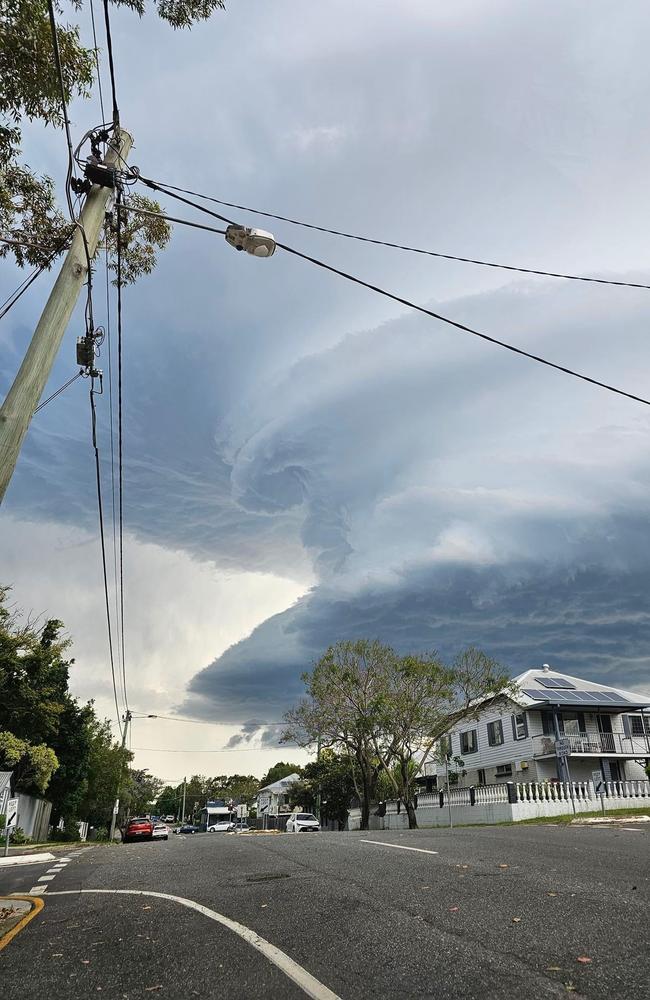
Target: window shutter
point(525, 715)
point(626, 726)
point(514, 727)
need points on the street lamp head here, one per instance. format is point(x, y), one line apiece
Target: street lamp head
point(256, 242)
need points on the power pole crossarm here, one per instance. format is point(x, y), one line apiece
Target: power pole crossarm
point(29, 384)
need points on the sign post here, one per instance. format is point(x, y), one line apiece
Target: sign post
point(563, 752)
point(12, 815)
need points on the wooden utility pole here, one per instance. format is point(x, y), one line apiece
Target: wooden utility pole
point(27, 389)
point(116, 806)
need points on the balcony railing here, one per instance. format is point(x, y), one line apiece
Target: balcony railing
point(600, 743)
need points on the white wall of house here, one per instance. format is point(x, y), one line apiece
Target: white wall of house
point(490, 762)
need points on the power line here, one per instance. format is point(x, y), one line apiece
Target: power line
point(427, 312)
point(466, 329)
point(58, 392)
point(96, 50)
point(200, 722)
point(111, 410)
point(171, 218)
point(93, 417)
point(25, 243)
point(273, 746)
point(120, 437)
point(111, 67)
point(22, 288)
point(408, 249)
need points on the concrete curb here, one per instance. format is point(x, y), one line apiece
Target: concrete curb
point(25, 907)
point(26, 859)
point(599, 820)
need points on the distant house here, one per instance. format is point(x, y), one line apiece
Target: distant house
point(273, 799)
point(605, 730)
point(215, 811)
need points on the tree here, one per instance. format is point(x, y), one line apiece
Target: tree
point(140, 792)
point(168, 802)
point(107, 761)
point(340, 711)
point(30, 91)
point(280, 770)
point(391, 711)
point(331, 776)
point(32, 764)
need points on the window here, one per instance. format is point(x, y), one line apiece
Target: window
point(468, 742)
point(445, 745)
point(504, 771)
point(519, 726)
point(495, 733)
point(636, 723)
point(481, 776)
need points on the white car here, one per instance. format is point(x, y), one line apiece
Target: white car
point(303, 823)
point(221, 826)
point(160, 832)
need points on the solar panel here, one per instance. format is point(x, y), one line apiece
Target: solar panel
point(555, 682)
point(536, 694)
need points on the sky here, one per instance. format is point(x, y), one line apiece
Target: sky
point(306, 461)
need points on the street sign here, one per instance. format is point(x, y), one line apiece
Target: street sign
point(598, 780)
point(12, 813)
point(116, 807)
point(242, 812)
point(563, 748)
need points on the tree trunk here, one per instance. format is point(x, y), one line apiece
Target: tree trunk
point(410, 812)
point(365, 802)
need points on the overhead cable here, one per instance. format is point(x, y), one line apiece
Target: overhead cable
point(111, 66)
point(120, 459)
point(100, 506)
point(58, 391)
point(401, 246)
point(422, 309)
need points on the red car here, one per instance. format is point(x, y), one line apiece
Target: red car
point(138, 828)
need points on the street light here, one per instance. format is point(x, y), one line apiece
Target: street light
point(256, 242)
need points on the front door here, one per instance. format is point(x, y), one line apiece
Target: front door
point(614, 769)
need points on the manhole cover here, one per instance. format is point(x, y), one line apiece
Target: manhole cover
point(265, 877)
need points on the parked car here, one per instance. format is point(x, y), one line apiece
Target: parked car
point(138, 828)
point(160, 831)
point(241, 826)
point(169, 819)
point(221, 826)
point(188, 828)
point(303, 823)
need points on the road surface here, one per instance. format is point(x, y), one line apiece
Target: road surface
point(491, 912)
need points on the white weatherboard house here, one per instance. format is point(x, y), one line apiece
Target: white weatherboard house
point(605, 730)
point(272, 799)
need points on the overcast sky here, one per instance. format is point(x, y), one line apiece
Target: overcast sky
point(306, 461)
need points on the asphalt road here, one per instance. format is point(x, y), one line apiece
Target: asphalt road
point(495, 912)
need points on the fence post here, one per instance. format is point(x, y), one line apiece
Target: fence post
point(442, 799)
point(472, 795)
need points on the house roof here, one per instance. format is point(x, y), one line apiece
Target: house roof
point(281, 785)
point(543, 686)
point(5, 779)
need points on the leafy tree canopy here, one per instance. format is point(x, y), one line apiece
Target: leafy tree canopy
point(30, 92)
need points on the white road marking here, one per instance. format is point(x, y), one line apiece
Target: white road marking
point(400, 847)
point(46, 878)
point(631, 829)
point(310, 986)
point(37, 890)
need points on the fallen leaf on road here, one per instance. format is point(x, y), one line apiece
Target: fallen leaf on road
point(503, 866)
point(152, 989)
point(553, 968)
point(425, 886)
point(57, 954)
point(454, 909)
point(264, 905)
point(516, 920)
point(570, 988)
point(85, 961)
point(584, 960)
point(146, 907)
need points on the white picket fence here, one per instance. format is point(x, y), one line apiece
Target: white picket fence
point(512, 802)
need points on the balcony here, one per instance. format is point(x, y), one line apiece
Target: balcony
point(597, 744)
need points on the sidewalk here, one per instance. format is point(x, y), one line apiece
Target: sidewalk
point(15, 913)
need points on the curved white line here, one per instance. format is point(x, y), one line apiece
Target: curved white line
point(400, 847)
point(307, 983)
